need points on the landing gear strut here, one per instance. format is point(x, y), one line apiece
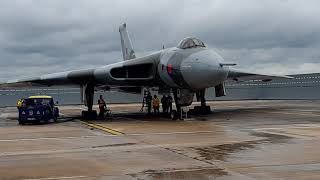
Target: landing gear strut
point(88, 101)
point(203, 98)
point(203, 109)
point(176, 114)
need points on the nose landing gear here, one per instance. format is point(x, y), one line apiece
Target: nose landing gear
point(203, 109)
point(182, 98)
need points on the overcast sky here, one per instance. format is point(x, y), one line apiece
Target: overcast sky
point(266, 36)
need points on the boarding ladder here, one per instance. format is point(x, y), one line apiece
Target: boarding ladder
point(144, 102)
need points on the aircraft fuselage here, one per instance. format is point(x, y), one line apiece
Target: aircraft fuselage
point(195, 69)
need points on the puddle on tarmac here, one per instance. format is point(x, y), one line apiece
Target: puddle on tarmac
point(114, 145)
point(191, 174)
point(220, 152)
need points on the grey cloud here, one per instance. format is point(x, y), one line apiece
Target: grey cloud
point(56, 35)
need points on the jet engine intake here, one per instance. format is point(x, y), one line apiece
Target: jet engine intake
point(140, 71)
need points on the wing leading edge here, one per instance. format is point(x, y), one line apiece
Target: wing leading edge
point(68, 78)
point(240, 76)
point(134, 72)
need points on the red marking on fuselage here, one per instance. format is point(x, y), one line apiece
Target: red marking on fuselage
point(169, 68)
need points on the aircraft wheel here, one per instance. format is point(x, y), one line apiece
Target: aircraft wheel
point(89, 115)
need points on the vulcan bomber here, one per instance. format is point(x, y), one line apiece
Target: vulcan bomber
point(186, 70)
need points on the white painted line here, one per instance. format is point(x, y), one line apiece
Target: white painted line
point(293, 113)
point(169, 133)
point(53, 178)
point(303, 110)
point(52, 138)
point(111, 148)
point(4, 115)
point(266, 129)
point(294, 126)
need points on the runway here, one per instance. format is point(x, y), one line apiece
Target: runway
point(239, 140)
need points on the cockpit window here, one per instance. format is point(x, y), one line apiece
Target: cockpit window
point(191, 43)
point(198, 42)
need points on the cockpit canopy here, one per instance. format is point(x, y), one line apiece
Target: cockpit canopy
point(190, 43)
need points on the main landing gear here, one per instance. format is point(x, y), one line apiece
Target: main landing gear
point(182, 98)
point(88, 101)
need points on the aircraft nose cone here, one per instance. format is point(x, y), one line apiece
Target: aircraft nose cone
point(202, 70)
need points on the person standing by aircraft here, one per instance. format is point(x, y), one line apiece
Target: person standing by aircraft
point(148, 102)
point(156, 104)
point(169, 103)
point(20, 103)
point(102, 106)
point(164, 102)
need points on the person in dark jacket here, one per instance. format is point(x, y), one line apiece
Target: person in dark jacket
point(149, 102)
point(164, 102)
point(102, 107)
point(169, 103)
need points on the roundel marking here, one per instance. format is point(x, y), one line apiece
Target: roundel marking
point(169, 68)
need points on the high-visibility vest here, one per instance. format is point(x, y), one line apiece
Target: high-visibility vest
point(20, 103)
point(156, 102)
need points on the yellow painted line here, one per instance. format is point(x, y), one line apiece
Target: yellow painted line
point(102, 128)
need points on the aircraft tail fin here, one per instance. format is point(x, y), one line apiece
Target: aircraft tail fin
point(127, 49)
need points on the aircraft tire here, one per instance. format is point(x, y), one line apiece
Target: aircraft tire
point(86, 115)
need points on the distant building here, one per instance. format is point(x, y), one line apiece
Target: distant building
point(303, 86)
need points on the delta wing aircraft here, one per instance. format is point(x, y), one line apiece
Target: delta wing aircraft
point(185, 70)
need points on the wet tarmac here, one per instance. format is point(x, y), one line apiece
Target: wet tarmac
point(239, 140)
